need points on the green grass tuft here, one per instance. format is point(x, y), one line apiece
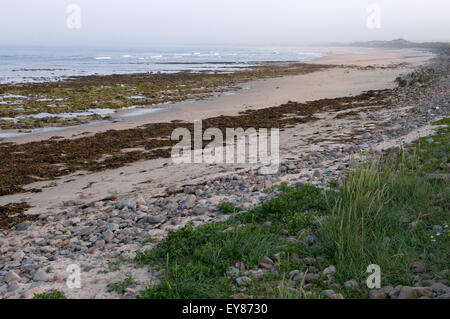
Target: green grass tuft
point(228, 208)
point(120, 286)
point(54, 294)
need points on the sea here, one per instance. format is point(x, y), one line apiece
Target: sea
point(20, 64)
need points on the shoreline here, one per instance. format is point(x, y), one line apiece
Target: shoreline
point(105, 217)
point(269, 92)
point(351, 77)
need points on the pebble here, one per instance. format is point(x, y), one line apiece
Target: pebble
point(40, 275)
point(12, 277)
point(408, 293)
point(351, 284)
point(243, 281)
point(440, 288)
point(106, 228)
point(419, 266)
point(329, 270)
point(327, 293)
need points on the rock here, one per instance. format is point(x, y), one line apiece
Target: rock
point(440, 275)
point(172, 190)
point(295, 275)
point(407, 293)
point(18, 256)
point(413, 225)
point(309, 240)
point(309, 260)
point(189, 202)
point(108, 236)
point(232, 271)
point(12, 277)
point(99, 205)
point(22, 226)
point(243, 281)
point(336, 296)
point(13, 287)
point(387, 289)
point(266, 266)
point(127, 203)
point(257, 273)
point(444, 296)
point(160, 273)
point(437, 229)
point(31, 292)
point(327, 293)
point(418, 266)
point(241, 296)
point(86, 231)
point(199, 210)
point(40, 275)
point(198, 192)
point(351, 284)
point(311, 277)
point(381, 293)
point(267, 260)
point(317, 174)
point(152, 219)
point(58, 278)
point(377, 294)
point(318, 222)
point(440, 288)
point(329, 270)
point(438, 176)
point(189, 190)
point(393, 294)
point(424, 291)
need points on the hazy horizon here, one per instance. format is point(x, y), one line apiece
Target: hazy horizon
point(201, 22)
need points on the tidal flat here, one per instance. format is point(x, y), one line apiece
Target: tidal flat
point(26, 106)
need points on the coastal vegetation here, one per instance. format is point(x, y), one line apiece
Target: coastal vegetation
point(390, 211)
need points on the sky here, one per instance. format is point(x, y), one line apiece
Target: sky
point(222, 22)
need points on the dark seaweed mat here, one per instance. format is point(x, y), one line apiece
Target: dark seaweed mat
point(13, 214)
point(21, 164)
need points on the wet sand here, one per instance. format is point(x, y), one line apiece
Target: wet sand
point(330, 83)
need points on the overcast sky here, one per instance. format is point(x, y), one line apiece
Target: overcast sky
point(244, 22)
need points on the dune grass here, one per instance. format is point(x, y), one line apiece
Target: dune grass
point(385, 213)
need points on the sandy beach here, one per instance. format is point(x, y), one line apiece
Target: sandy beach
point(258, 94)
point(164, 189)
point(267, 92)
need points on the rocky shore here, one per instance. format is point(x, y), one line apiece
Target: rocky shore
point(104, 236)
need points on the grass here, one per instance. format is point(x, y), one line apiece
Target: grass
point(228, 208)
point(196, 260)
point(371, 217)
point(121, 286)
point(383, 214)
point(54, 294)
